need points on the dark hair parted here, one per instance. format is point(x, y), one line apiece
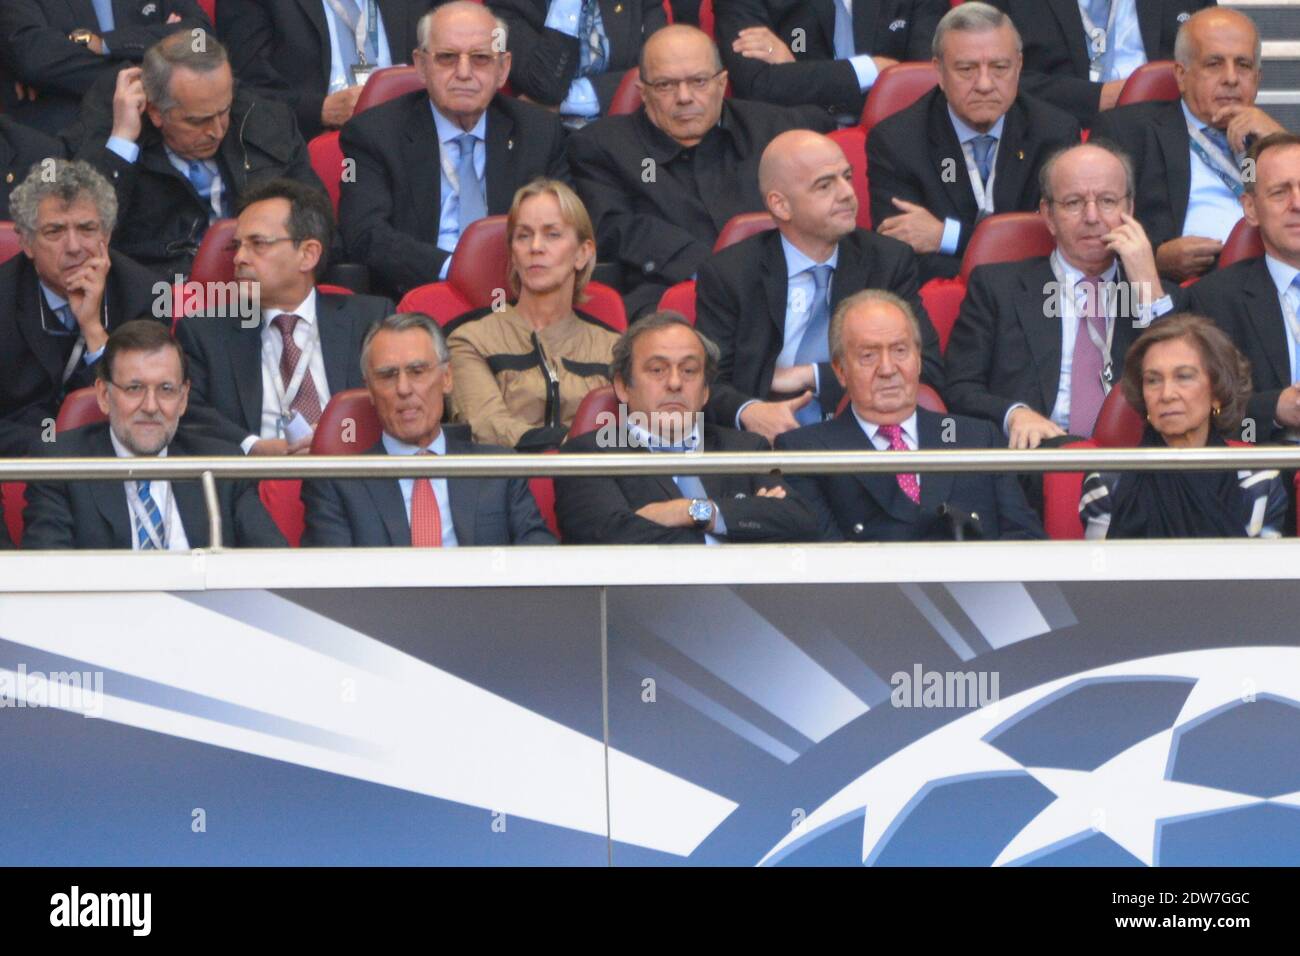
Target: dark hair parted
point(310, 214)
point(1227, 368)
point(139, 335)
point(1259, 147)
point(620, 365)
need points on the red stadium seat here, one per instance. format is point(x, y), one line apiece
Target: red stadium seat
point(327, 163)
point(543, 489)
point(1242, 243)
point(8, 242)
point(942, 299)
point(214, 261)
point(593, 408)
point(853, 141)
point(282, 498)
point(1118, 423)
point(438, 300)
point(741, 227)
point(209, 7)
point(1007, 237)
point(79, 407)
point(13, 494)
point(1118, 426)
point(897, 88)
point(680, 298)
point(605, 304)
point(481, 263)
point(388, 84)
point(627, 98)
point(1150, 82)
point(706, 18)
point(348, 425)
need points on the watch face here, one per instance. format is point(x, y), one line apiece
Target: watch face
point(701, 511)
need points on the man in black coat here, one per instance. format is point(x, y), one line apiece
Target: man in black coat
point(661, 372)
point(243, 366)
point(20, 148)
point(57, 49)
point(430, 163)
point(302, 51)
point(1257, 301)
point(204, 144)
point(142, 388)
point(571, 55)
point(766, 304)
point(1023, 331)
point(661, 183)
point(409, 379)
point(981, 147)
point(815, 51)
point(876, 344)
point(61, 298)
point(1059, 58)
point(1187, 190)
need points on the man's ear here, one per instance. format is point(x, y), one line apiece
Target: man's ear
point(446, 377)
point(311, 250)
point(1248, 208)
point(620, 389)
point(155, 115)
point(101, 394)
point(837, 368)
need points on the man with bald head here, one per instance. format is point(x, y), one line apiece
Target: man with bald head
point(661, 183)
point(1189, 152)
point(430, 163)
point(1038, 343)
point(767, 301)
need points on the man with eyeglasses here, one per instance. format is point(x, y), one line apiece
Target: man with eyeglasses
point(969, 148)
point(1190, 153)
point(1039, 343)
point(264, 385)
point(661, 183)
point(404, 360)
point(142, 387)
point(430, 163)
point(204, 144)
point(61, 298)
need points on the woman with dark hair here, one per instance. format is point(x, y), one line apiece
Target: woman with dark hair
point(1191, 385)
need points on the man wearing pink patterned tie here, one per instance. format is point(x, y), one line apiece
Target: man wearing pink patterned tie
point(875, 346)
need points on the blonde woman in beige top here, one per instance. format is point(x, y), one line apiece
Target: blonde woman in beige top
point(520, 372)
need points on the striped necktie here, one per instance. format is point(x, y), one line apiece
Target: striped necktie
point(153, 515)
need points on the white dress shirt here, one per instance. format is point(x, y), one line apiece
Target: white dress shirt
point(56, 302)
point(340, 77)
point(1283, 275)
point(449, 224)
point(952, 227)
point(911, 437)
point(303, 332)
point(437, 447)
point(1212, 208)
point(161, 492)
point(1129, 51)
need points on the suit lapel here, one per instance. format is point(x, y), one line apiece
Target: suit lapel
point(1264, 312)
point(244, 349)
point(824, 10)
point(335, 336)
point(422, 151)
point(1043, 335)
point(617, 27)
point(400, 41)
point(935, 486)
point(850, 274)
point(1149, 25)
point(47, 348)
point(386, 494)
point(315, 12)
point(866, 14)
point(775, 284)
point(193, 512)
point(1176, 145)
point(1067, 14)
point(463, 493)
point(110, 496)
point(1011, 168)
point(500, 166)
point(883, 488)
point(943, 138)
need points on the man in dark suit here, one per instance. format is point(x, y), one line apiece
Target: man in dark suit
point(303, 51)
point(570, 55)
point(876, 349)
point(57, 49)
point(661, 183)
point(246, 384)
point(661, 372)
point(409, 379)
point(1188, 189)
point(767, 301)
point(1039, 342)
point(142, 388)
point(430, 163)
point(820, 51)
point(61, 298)
point(204, 145)
point(982, 145)
point(1257, 301)
point(20, 148)
point(1084, 75)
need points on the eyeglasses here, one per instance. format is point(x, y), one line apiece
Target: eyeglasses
point(164, 393)
point(696, 84)
point(1074, 206)
point(449, 59)
point(256, 244)
point(417, 373)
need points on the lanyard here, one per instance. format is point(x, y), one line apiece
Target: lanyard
point(79, 347)
point(285, 395)
point(983, 191)
point(1097, 38)
point(365, 29)
point(1213, 157)
point(140, 514)
point(1109, 291)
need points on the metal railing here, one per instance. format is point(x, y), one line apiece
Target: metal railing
point(208, 470)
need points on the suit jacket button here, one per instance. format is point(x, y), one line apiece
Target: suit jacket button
point(858, 528)
point(649, 267)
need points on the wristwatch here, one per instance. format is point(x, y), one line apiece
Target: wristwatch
point(701, 512)
point(81, 36)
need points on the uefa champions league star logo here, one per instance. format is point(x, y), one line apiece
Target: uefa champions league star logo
point(1203, 756)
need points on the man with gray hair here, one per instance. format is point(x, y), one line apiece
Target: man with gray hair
point(876, 353)
point(404, 362)
point(430, 163)
point(61, 298)
point(967, 149)
point(204, 144)
point(1189, 153)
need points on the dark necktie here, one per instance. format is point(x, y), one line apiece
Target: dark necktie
point(307, 401)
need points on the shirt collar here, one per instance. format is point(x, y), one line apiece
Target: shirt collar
point(796, 262)
point(1192, 121)
point(662, 148)
point(183, 165)
point(966, 133)
point(123, 452)
point(448, 131)
point(871, 428)
point(395, 446)
point(645, 439)
point(51, 299)
point(306, 311)
point(1283, 275)
point(1074, 276)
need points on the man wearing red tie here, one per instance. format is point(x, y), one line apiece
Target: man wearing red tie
point(404, 359)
